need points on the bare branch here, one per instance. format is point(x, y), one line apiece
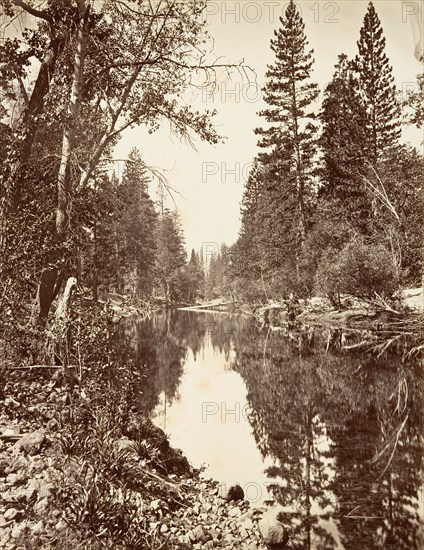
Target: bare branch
point(381, 194)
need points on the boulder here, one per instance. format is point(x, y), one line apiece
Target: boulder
point(199, 534)
point(31, 443)
point(273, 532)
point(235, 492)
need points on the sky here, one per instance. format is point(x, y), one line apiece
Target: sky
point(210, 179)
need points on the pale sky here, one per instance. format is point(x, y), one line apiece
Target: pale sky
point(211, 179)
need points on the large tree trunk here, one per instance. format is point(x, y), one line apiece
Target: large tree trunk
point(50, 277)
point(13, 175)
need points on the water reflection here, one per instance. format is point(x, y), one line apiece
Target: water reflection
point(332, 431)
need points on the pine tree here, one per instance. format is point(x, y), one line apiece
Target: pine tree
point(378, 88)
point(247, 260)
point(344, 145)
point(289, 140)
point(170, 254)
point(196, 277)
point(135, 223)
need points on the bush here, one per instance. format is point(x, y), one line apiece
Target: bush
point(324, 234)
point(250, 292)
point(360, 269)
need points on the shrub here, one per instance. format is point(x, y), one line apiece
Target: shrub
point(360, 269)
point(325, 235)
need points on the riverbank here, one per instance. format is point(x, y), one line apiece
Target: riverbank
point(354, 314)
point(81, 468)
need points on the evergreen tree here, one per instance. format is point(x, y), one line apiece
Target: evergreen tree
point(247, 259)
point(195, 278)
point(135, 223)
point(344, 146)
point(378, 88)
point(171, 254)
point(289, 94)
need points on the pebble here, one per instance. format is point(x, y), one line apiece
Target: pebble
point(11, 513)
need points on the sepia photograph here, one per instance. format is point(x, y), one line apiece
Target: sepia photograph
point(211, 274)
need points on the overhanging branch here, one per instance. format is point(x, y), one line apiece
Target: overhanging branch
point(41, 14)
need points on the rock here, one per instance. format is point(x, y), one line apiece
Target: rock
point(235, 492)
point(247, 524)
point(272, 529)
point(11, 513)
point(38, 466)
point(5, 536)
point(199, 534)
point(14, 479)
point(19, 529)
point(31, 443)
point(52, 425)
point(38, 528)
point(17, 465)
point(44, 490)
point(234, 512)
point(61, 525)
point(41, 506)
point(31, 489)
point(8, 432)
point(155, 504)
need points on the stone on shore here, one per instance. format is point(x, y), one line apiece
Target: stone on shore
point(272, 529)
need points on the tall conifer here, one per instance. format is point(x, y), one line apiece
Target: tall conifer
point(289, 140)
point(378, 88)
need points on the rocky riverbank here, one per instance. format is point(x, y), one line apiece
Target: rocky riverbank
point(354, 314)
point(67, 482)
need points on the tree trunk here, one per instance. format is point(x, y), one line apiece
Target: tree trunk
point(64, 191)
point(61, 328)
point(15, 167)
point(95, 277)
point(50, 276)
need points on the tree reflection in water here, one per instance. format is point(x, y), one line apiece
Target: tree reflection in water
point(342, 426)
point(345, 430)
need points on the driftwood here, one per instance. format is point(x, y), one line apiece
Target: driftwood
point(209, 306)
point(11, 437)
point(30, 367)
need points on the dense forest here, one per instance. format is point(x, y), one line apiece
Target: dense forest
point(333, 203)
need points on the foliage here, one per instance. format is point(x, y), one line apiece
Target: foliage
point(344, 143)
point(377, 87)
point(325, 240)
point(290, 139)
point(415, 102)
point(306, 196)
point(107, 447)
point(85, 95)
point(171, 254)
point(360, 269)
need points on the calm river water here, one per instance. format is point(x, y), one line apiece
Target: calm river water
point(304, 418)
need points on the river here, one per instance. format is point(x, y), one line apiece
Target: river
point(304, 418)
